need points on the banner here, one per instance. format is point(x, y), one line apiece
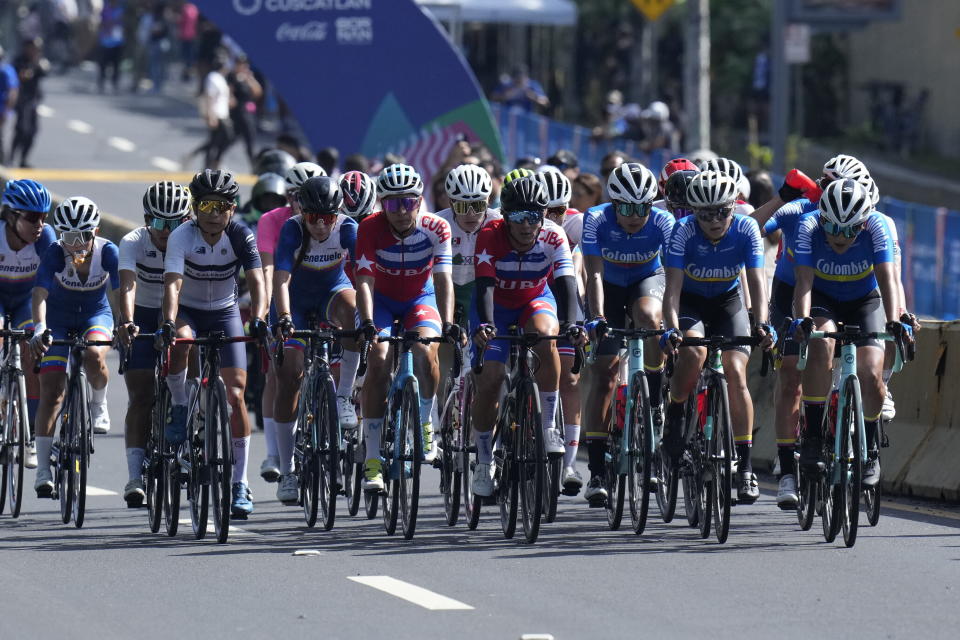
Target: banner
point(367, 76)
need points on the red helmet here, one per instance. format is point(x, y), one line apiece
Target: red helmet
point(677, 164)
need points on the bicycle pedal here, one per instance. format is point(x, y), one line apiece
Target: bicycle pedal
point(597, 504)
point(488, 501)
point(237, 515)
point(437, 463)
point(570, 492)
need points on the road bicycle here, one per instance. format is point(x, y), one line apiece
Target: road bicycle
point(453, 485)
point(15, 431)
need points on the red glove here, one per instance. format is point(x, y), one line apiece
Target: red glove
point(797, 184)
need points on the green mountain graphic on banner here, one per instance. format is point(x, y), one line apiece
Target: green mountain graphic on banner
point(389, 126)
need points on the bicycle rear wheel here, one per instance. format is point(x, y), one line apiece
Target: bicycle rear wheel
point(305, 455)
point(691, 494)
point(219, 457)
point(351, 471)
point(614, 481)
point(16, 443)
point(410, 440)
point(66, 477)
point(668, 479)
point(467, 454)
point(154, 470)
point(81, 451)
point(450, 470)
point(852, 455)
point(639, 461)
point(830, 515)
point(721, 459)
point(328, 451)
point(871, 503)
point(171, 493)
point(533, 462)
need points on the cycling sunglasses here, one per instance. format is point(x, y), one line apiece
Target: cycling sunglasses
point(76, 237)
point(524, 217)
point(326, 218)
point(628, 209)
point(160, 224)
point(33, 217)
point(714, 213)
point(681, 212)
point(833, 229)
point(556, 211)
point(463, 207)
point(214, 206)
point(396, 205)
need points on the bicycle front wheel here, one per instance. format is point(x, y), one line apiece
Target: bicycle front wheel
point(390, 435)
point(328, 451)
point(81, 451)
point(450, 469)
point(66, 477)
point(171, 493)
point(467, 456)
point(532, 461)
point(198, 491)
point(410, 441)
point(16, 442)
point(852, 456)
point(351, 471)
point(721, 458)
point(871, 503)
point(614, 481)
point(552, 474)
point(508, 474)
point(305, 454)
point(219, 457)
point(640, 459)
point(155, 474)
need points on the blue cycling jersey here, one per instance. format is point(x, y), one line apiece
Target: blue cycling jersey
point(712, 268)
point(848, 275)
point(627, 258)
point(68, 294)
point(323, 262)
point(786, 220)
point(18, 269)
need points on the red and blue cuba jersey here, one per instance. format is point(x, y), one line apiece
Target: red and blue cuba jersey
point(521, 277)
point(402, 266)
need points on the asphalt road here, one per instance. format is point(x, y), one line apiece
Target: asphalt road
point(114, 579)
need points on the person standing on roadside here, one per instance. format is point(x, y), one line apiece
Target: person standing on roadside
point(216, 110)
point(187, 18)
point(245, 92)
point(9, 88)
point(31, 68)
point(111, 43)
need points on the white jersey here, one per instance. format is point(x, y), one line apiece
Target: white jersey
point(139, 255)
point(463, 243)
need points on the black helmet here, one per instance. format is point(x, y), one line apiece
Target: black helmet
point(675, 188)
point(523, 194)
point(269, 184)
point(273, 161)
point(214, 182)
point(320, 194)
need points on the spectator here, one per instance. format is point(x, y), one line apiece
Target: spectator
point(30, 26)
point(657, 132)
point(9, 88)
point(60, 45)
point(608, 163)
point(567, 162)
point(586, 192)
point(245, 92)
point(356, 162)
point(187, 18)
point(216, 101)
point(528, 162)
point(329, 159)
point(31, 69)
point(292, 145)
point(159, 43)
point(110, 38)
point(520, 90)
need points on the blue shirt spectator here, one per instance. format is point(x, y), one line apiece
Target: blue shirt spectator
point(520, 90)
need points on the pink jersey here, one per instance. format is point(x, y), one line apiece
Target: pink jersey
point(268, 228)
point(402, 266)
point(521, 277)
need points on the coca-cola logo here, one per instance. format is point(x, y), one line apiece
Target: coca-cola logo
point(313, 31)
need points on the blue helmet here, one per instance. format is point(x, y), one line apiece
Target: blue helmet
point(26, 195)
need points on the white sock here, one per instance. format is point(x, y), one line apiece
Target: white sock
point(484, 446)
point(241, 454)
point(426, 410)
point(177, 383)
point(571, 433)
point(270, 436)
point(285, 445)
point(371, 436)
point(349, 363)
point(887, 374)
point(44, 445)
point(98, 396)
point(548, 409)
point(134, 463)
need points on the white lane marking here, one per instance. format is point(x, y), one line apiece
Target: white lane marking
point(411, 593)
point(537, 636)
point(44, 111)
point(307, 552)
point(164, 164)
point(97, 491)
point(79, 126)
point(233, 529)
point(121, 144)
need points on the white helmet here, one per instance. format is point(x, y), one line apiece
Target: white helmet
point(556, 186)
point(399, 180)
point(468, 182)
point(844, 166)
point(727, 166)
point(632, 182)
point(845, 203)
point(76, 214)
point(300, 172)
point(167, 200)
point(711, 189)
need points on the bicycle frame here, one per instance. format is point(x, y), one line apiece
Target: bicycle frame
point(402, 372)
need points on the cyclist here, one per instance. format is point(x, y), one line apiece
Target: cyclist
point(558, 190)
point(310, 283)
point(268, 234)
point(403, 273)
point(23, 240)
point(844, 274)
point(677, 164)
point(200, 294)
point(359, 195)
point(75, 291)
point(166, 205)
point(675, 193)
point(705, 257)
point(516, 257)
point(623, 241)
point(269, 192)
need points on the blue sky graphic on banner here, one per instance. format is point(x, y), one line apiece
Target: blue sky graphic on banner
point(366, 76)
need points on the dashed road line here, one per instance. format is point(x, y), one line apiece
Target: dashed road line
point(412, 593)
point(79, 126)
point(45, 112)
point(121, 144)
point(165, 164)
point(210, 529)
point(97, 491)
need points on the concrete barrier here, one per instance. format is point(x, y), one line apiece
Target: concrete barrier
point(923, 459)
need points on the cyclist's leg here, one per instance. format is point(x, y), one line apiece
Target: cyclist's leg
point(139, 382)
point(341, 309)
point(868, 314)
point(423, 316)
point(646, 309)
point(816, 377)
point(95, 364)
point(53, 378)
point(176, 429)
point(271, 462)
point(685, 372)
point(374, 393)
point(786, 397)
point(540, 315)
point(289, 377)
